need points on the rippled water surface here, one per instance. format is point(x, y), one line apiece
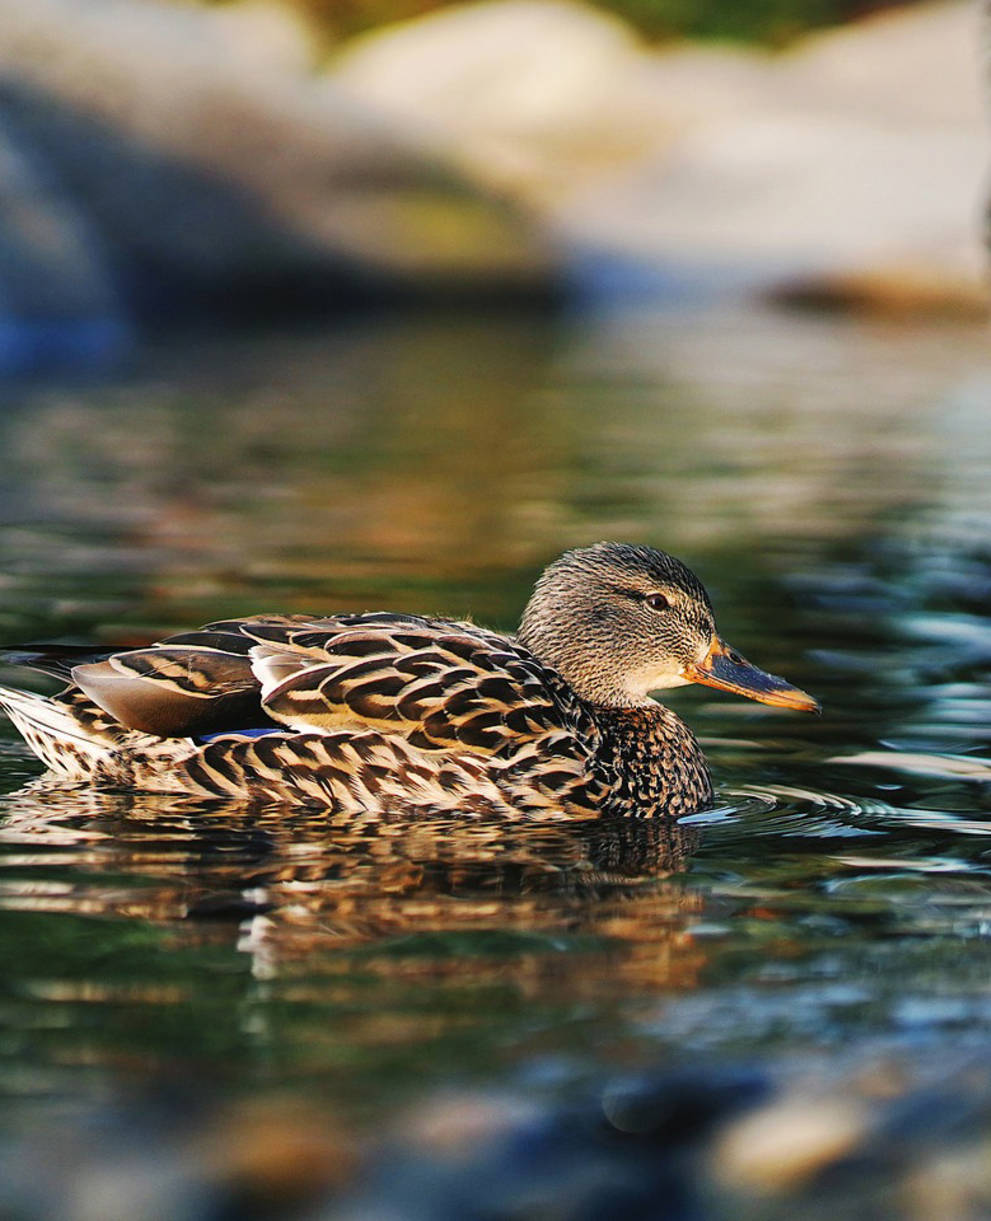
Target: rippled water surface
point(831, 483)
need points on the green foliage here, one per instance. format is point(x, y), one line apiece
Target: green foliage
point(773, 21)
point(769, 21)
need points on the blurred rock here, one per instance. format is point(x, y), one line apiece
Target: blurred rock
point(848, 171)
point(955, 1186)
point(164, 159)
point(56, 298)
point(530, 95)
point(706, 1143)
point(173, 1153)
point(682, 1106)
point(263, 34)
point(784, 1146)
point(456, 1125)
point(629, 1156)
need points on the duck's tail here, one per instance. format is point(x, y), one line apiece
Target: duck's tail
point(61, 734)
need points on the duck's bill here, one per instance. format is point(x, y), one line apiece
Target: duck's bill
point(727, 670)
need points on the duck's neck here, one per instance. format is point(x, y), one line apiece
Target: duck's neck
point(654, 763)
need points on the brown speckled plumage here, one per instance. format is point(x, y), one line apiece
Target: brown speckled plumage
point(365, 712)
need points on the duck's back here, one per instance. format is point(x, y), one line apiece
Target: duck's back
point(439, 683)
point(358, 705)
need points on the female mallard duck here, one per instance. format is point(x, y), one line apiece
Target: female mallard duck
point(368, 712)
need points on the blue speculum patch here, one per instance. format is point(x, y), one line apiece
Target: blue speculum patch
point(238, 733)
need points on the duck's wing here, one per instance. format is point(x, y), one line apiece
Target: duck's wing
point(55, 660)
point(189, 685)
point(195, 683)
point(440, 684)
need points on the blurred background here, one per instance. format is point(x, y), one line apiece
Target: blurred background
point(383, 304)
point(170, 162)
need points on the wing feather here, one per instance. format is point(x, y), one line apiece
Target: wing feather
point(445, 686)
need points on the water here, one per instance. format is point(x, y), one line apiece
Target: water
point(830, 480)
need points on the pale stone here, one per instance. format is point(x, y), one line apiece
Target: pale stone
point(266, 35)
point(852, 167)
point(921, 63)
point(522, 92)
point(780, 1147)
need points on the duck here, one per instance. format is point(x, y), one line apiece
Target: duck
point(382, 711)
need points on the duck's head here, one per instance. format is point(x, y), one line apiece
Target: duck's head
point(618, 621)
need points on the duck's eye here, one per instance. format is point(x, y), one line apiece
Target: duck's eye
point(657, 602)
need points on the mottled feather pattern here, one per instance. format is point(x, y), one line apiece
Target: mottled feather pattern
point(379, 709)
point(346, 771)
point(441, 684)
point(189, 668)
point(71, 734)
point(653, 761)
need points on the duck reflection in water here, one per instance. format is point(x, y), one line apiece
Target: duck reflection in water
point(293, 888)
